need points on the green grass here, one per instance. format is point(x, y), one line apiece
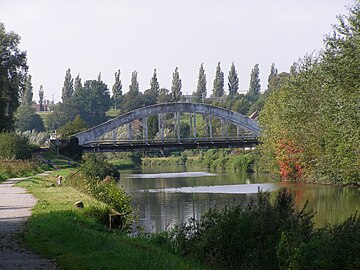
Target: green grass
point(76, 239)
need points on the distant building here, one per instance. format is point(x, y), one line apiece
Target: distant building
point(46, 106)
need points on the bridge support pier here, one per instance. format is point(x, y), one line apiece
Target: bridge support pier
point(113, 136)
point(130, 131)
point(161, 125)
point(145, 129)
point(210, 127)
point(194, 125)
point(178, 125)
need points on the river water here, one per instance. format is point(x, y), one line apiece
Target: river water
point(165, 196)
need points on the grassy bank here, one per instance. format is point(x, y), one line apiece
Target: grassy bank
point(76, 238)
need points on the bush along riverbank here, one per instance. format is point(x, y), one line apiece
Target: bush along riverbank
point(215, 159)
point(80, 238)
point(259, 234)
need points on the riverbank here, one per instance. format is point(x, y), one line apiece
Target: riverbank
point(56, 222)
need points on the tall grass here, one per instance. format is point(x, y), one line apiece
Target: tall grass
point(18, 168)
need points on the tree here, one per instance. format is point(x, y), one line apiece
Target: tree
point(254, 87)
point(233, 83)
point(176, 86)
point(28, 92)
point(164, 96)
point(68, 88)
point(273, 74)
point(28, 119)
point(13, 68)
point(132, 100)
point(41, 98)
point(91, 102)
point(72, 127)
point(154, 84)
point(200, 93)
point(218, 89)
point(77, 84)
point(117, 97)
point(311, 123)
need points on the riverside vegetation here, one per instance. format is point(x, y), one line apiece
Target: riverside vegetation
point(258, 234)
point(262, 233)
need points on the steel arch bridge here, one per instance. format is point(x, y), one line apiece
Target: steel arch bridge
point(89, 139)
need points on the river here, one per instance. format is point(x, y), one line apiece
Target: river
point(169, 195)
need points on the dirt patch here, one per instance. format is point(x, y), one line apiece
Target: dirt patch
point(15, 209)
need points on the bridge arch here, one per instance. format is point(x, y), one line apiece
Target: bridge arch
point(232, 117)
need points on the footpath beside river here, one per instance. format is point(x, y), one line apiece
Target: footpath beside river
point(15, 209)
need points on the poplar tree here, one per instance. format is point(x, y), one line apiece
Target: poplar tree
point(233, 79)
point(41, 98)
point(77, 84)
point(117, 91)
point(218, 88)
point(132, 100)
point(254, 87)
point(28, 92)
point(273, 74)
point(154, 84)
point(68, 88)
point(201, 86)
point(176, 86)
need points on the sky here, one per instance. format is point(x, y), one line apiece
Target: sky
point(104, 36)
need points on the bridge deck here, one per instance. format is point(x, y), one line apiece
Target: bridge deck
point(155, 145)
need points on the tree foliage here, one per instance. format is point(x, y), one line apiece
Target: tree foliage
point(28, 119)
point(233, 79)
point(200, 92)
point(68, 88)
point(176, 86)
point(41, 98)
point(131, 97)
point(117, 97)
point(254, 87)
point(218, 87)
point(13, 70)
point(72, 127)
point(311, 123)
point(28, 92)
point(77, 84)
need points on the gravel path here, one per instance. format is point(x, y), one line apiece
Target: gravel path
point(15, 209)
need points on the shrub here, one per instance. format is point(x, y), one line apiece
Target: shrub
point(14, 146)
point(335, 247)
point(244, 236)
point(242, 162)
point(96, 178)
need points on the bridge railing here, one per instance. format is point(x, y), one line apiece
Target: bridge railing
point(174, 140)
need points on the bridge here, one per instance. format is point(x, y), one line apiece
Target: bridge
point(247, 129)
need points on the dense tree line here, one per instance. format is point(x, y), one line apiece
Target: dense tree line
point(311, 123)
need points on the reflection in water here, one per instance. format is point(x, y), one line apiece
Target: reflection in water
point(172, 175)
point(166, 196)
point(221, 189)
